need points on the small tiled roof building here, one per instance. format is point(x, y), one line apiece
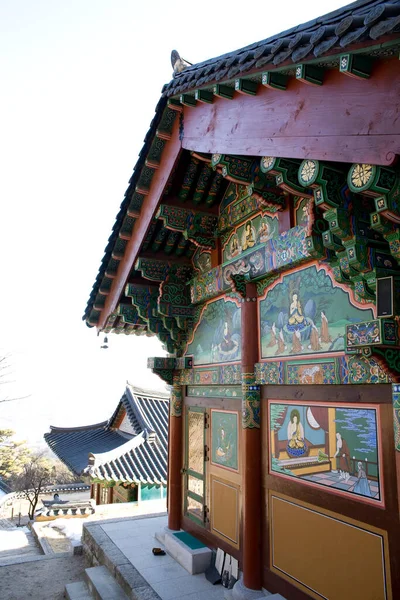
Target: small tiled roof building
point(124, 457)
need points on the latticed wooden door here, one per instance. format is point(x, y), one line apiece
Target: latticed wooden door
point(195, 465)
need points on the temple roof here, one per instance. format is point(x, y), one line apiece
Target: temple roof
point(362, 22)
point(136, 453)
point(369, 28)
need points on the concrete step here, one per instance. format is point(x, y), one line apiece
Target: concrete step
point(102, 584)
point(77, 591)
point(16, 543)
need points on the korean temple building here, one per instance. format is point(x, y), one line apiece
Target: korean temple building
point(259, 240)
point(124, 458)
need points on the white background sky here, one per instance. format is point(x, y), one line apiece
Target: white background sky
point(79, 81)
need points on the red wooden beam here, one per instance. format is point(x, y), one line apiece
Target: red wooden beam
point(345, 120)
point(150, 204)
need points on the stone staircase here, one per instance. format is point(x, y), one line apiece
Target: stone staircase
point(16, 543)
point(99, 584)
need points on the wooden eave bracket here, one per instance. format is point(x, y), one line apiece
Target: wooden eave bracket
point(223, 91)
point(204, 96)
point(246, 86)
point(274, 81)
point(355, 65)
point(310, 74)
point(188, 100)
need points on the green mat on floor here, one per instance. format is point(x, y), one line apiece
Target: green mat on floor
point(189, 540)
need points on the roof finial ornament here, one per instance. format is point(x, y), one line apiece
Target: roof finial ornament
point(178, 64)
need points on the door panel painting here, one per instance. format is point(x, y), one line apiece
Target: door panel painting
point(224, 439)
point(217, 336)
point(335, 447)
point(306, 313)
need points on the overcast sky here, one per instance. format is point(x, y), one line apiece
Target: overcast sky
point(79, 81)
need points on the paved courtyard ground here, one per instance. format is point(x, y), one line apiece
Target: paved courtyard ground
point(42, 579)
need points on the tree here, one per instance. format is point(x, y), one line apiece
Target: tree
point(13, 455)
point(4, 375)
point(35, 475)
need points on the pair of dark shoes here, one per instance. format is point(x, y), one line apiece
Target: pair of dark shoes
point(158, 552)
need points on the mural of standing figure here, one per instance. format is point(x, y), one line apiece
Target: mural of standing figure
point(296, 343)
point(362, 485)
point(273, 340)
point(325, 337)
point(281, 343)
point(314, 338)
point(343, 455)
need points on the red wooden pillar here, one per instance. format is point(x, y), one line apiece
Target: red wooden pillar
point(175, 459)
point(251, 444)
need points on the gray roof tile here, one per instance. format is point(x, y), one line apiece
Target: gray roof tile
point(105, 453)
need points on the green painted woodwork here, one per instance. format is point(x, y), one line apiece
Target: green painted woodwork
point(339, 224)
point(119, 249)
point(105, 285)
point(356, 65)
point(311, 74)
point(188, 100)
point(159, 239)
point(195, 226)
point(378, 332)
point(127, 227)
point(171, 241)
point(158, 270)
point(246, 86)
point(136, 202)
point(204, 96)
point(327, 181)
point(389, 205)
point(112, 268)
point(145, 179)
point(214, 189)
point(188, 179)
point(238, 167)
point(215, 391)
point(155, 152)
point(164, 129)
point(286, 172)
point(276, 81)
point(372, 180)
point(223, 91)
point(203, 183)
point(129, 314)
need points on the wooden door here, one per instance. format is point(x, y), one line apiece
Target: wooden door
point(195, 465)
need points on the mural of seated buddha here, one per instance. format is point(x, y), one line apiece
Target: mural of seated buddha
point(297, 321)
point(296, 445)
